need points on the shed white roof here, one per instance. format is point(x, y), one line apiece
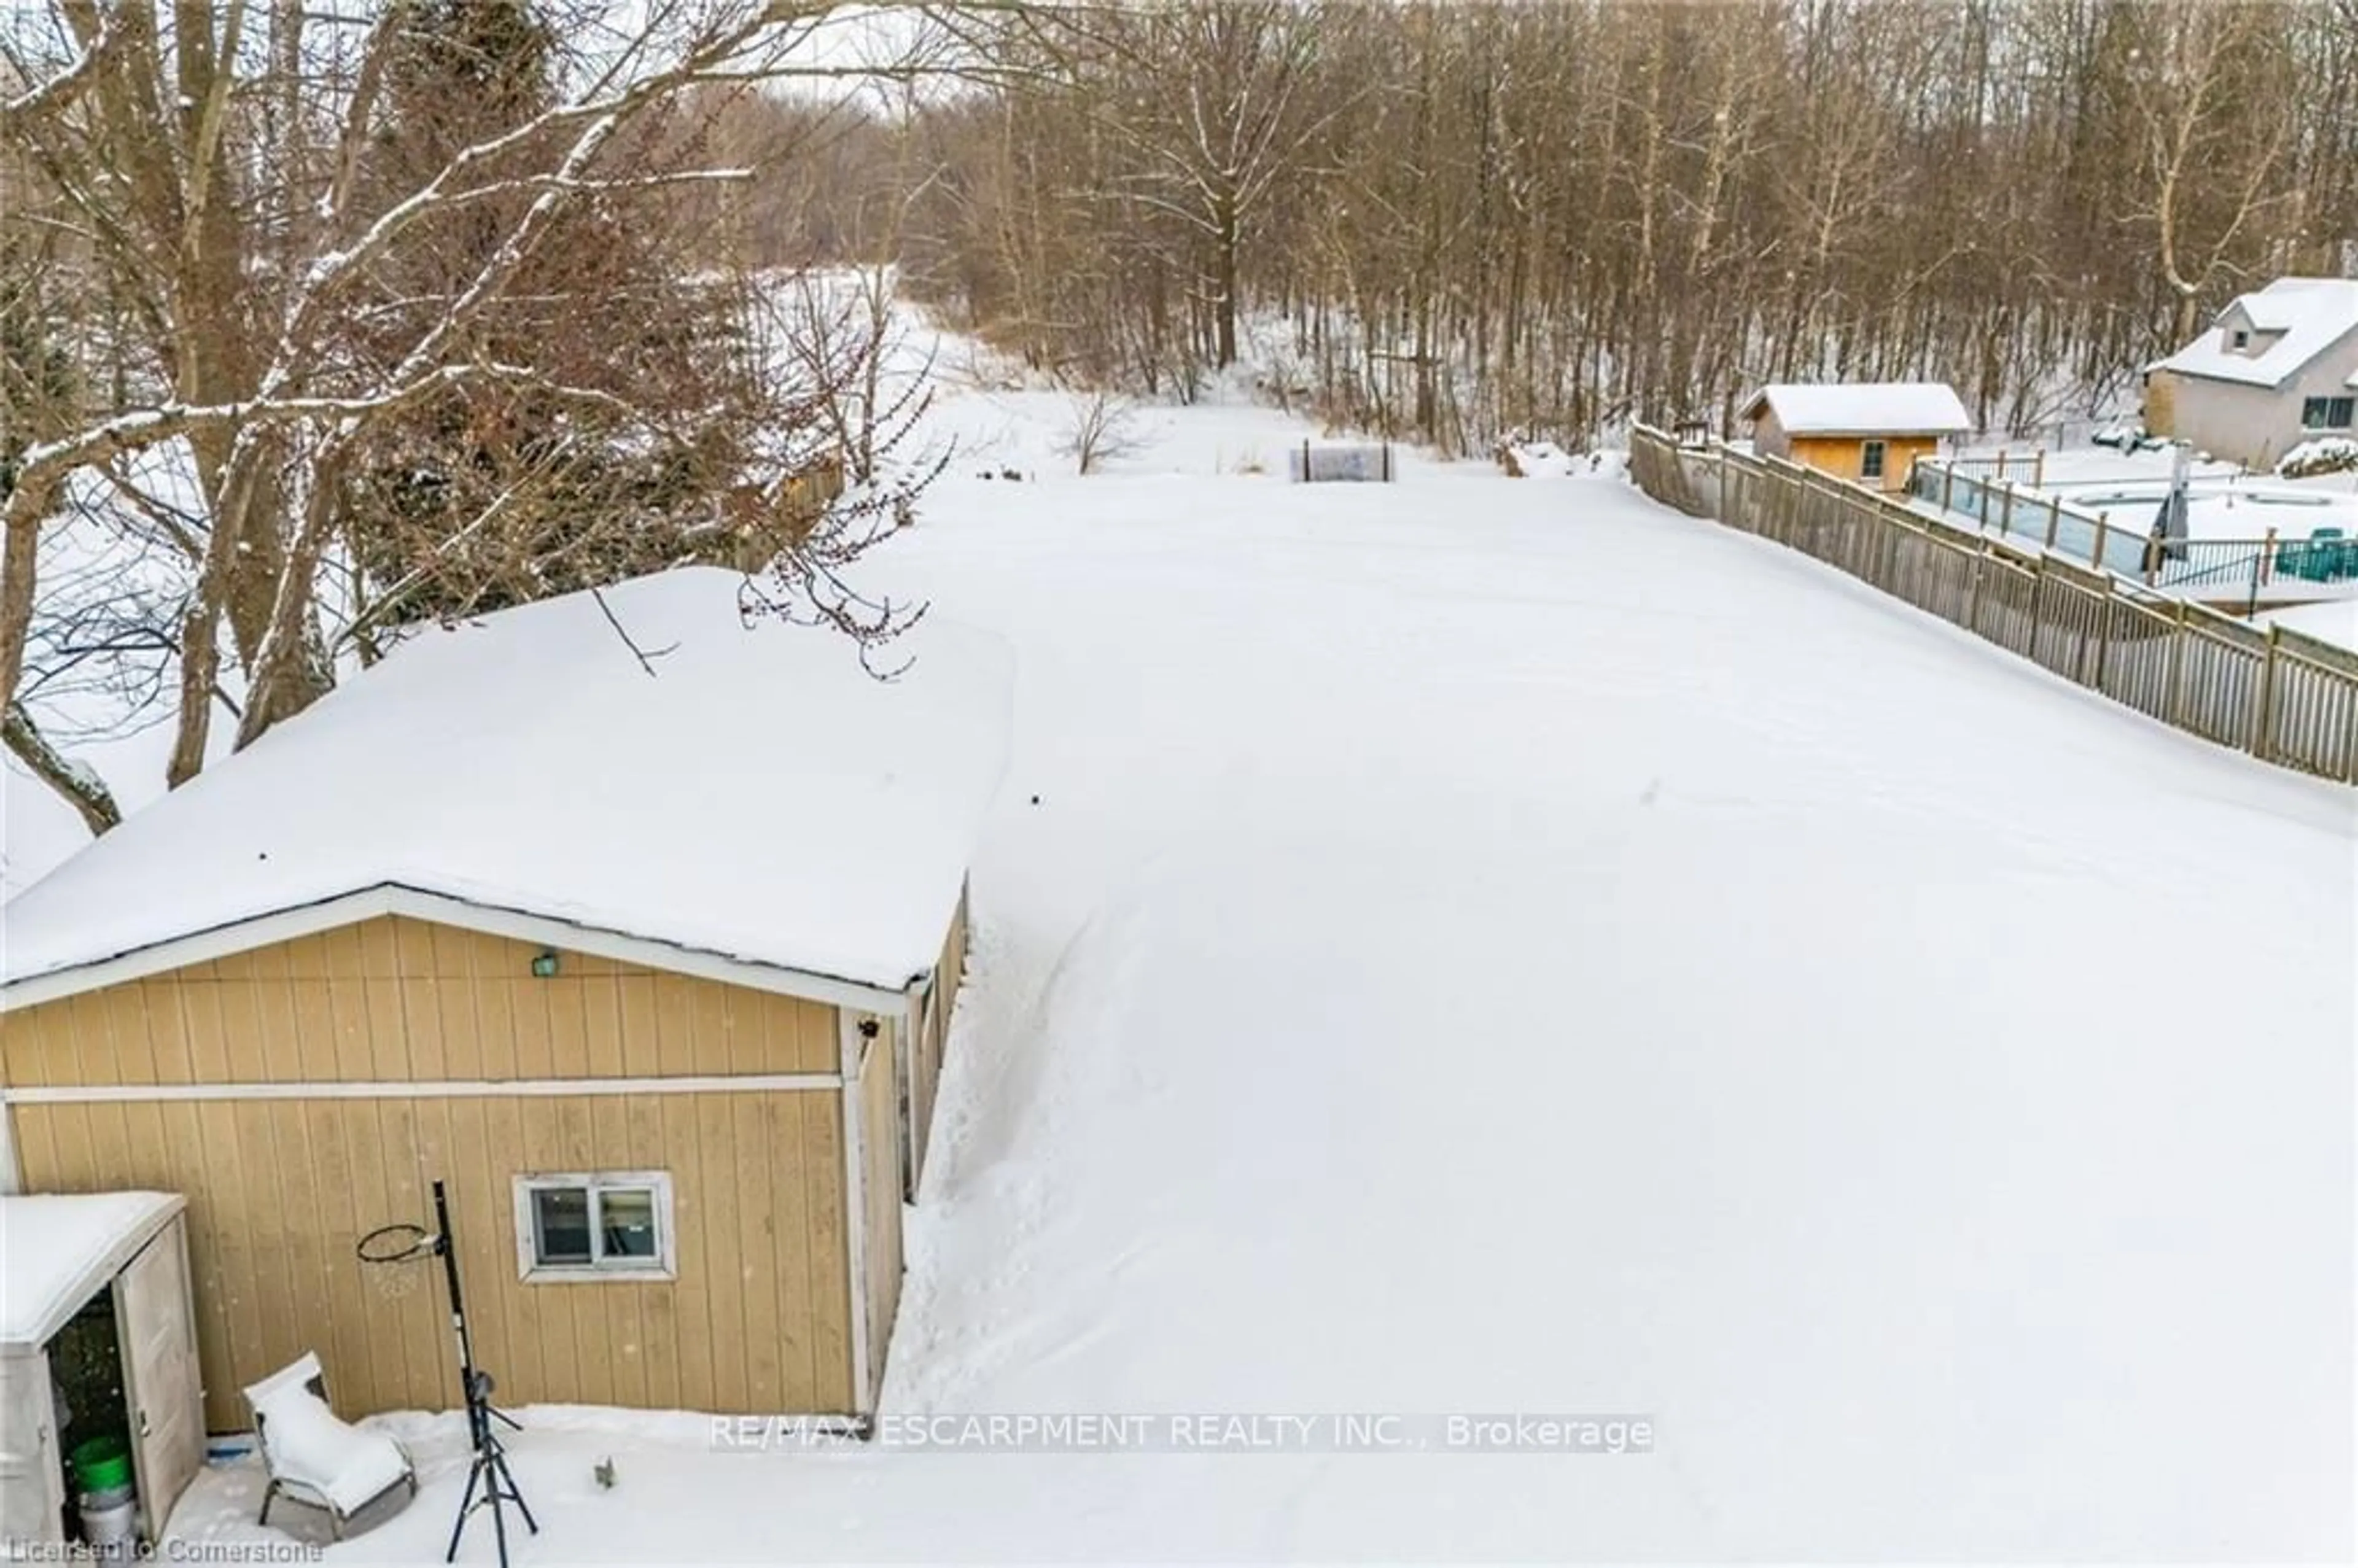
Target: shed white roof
point(761, 797)
point(1863, 408)
point(57, 1250)
point(2311, 313)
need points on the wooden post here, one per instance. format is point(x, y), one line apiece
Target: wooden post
point(2001, 462)
point(2268, 556)
point(2039, 469)
point(2176, 661)
point(1948, 479)
point(2103, 633)
point(2103, 523)
point(2054, 518)
point(2030, 650)
point(2264, 700)
point(2005, 513)
point(1723, 486)
point(2350, 734)
point(1305, 459)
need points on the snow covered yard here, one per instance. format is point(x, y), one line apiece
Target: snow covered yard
point(2336, 621)
point(1488, 946)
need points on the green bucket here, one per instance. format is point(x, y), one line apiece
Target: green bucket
point(100, 1464)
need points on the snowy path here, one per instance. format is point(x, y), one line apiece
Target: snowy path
point(1446, 971)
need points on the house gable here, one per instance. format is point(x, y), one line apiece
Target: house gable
point(393, 899)
point(2240, 336)
point(395, 1000)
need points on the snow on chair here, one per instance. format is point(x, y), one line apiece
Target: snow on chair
point(313, 1455)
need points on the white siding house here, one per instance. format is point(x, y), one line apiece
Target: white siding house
point(2278, 367)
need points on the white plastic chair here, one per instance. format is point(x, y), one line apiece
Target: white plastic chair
point(315, 1457)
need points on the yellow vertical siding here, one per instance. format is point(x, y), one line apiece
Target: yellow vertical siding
point(1844, 456)
point(1836, 455)
point(394, 999)
point(761, 1292)
point(280, 1189)
point(1905, 450)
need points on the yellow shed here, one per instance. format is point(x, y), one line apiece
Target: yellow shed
point(646, 948)
point(1869, 432)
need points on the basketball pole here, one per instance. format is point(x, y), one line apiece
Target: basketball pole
point(489, 1474)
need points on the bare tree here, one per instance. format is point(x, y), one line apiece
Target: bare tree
point(268, 277)
point(1103, 427)
point(1461, 219)
point(2209, 86)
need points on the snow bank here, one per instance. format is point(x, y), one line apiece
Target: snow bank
point(2336, 621)
point(758, 795)
point(52, 1244)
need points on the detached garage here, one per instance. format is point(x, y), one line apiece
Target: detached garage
point(1870, 432)
point(97, 1362)
point(648, 948)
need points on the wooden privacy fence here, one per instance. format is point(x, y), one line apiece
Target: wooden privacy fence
point(2282, 697)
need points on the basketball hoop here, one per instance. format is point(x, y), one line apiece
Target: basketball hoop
point(400, 1242)
point(389, 1244)
point(488, 1483)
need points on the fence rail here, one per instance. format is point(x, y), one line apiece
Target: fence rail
point(2285, 697)
point(2217, 568)
point(2024, 468)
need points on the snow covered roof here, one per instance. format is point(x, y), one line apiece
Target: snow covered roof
point(761, 798)
point(58, 1249)
point(2298, 319)
point(1863, 408)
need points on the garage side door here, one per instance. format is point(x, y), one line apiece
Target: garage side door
point(153, 1315)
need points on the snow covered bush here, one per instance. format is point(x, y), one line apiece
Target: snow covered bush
point(2321, 455)
point(2128, 437)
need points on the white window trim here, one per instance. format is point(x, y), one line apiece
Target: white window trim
point(533, 1272)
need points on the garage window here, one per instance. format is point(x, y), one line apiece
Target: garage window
point(1870, 460)
point(606, 1225)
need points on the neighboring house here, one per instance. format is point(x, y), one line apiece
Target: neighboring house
point(2278, 368)
point(1867, 431)
point(652, 968)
